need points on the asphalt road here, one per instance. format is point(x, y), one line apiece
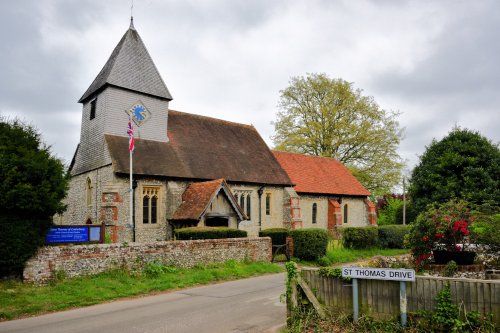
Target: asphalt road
point(249, 305)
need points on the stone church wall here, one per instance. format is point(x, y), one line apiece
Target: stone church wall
point(92, 259)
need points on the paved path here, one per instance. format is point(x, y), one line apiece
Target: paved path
point(249, 305)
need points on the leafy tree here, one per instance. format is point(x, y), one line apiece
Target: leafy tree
point(328, 117)
point(32, 185)
point(464, 165)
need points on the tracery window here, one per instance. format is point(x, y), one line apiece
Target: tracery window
point(150, 205)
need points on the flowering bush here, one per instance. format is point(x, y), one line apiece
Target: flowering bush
point(442, 227)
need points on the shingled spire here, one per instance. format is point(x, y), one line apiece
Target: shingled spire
point(130, 66)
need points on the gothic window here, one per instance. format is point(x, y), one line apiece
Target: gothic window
point(314, 212)
point(150, 205)
point(268, 203)
point(242, 201)
point(248, 205)
point(345, 213)
point(88, 192)
point(92, 108)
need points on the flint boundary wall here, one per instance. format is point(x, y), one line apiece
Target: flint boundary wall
point(77, 260)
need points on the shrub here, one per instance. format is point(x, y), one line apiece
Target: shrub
point(208, 233)
point(32, 185)
point(450, 269)
point(360, 238)
point(388, 213)
point(392, 236)
point(278, 235)
point(441, 227)
point(309, 244)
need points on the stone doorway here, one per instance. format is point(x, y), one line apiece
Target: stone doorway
point(217, 221)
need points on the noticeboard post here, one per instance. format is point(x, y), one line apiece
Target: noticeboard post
point(401, 275)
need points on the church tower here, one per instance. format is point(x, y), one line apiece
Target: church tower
point(129, 84)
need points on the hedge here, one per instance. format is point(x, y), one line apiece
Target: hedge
point(309, 244)
point(360, 238)
point(20, 239)
point(208, 233)
point(278, 235)
point(392, 236)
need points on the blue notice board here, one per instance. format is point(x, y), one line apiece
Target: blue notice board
point(67, 234)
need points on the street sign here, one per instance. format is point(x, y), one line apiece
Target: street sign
point(379, 273)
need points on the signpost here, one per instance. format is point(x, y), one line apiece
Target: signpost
point(401, 275)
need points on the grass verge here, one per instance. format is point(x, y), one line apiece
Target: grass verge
point(343, 255)
point(19, 299)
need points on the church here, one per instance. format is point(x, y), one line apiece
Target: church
point(191, 170)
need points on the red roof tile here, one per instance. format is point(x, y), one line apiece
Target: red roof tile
point(198, 196)
point(320, 175)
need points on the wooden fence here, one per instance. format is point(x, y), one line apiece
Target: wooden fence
point(380, 299)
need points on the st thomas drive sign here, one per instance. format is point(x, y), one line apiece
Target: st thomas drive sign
point(379, 273)
point(365, 273)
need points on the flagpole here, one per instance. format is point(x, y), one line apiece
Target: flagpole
point(131, 200)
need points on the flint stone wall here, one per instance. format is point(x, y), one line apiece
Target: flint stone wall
point(80, 260)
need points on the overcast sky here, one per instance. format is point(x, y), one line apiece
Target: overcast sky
point(436, 62)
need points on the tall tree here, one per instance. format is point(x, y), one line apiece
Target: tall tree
point(32, 185)
point(328, 117)
point(462, 165)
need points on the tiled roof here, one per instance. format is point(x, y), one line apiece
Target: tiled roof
point(202, 148)
point(319, 175)
point(198, 196)
point(130, 66)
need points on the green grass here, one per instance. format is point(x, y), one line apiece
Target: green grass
point(22, 299)
point(343, 255)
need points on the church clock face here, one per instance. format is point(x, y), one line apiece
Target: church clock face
point(139, 113)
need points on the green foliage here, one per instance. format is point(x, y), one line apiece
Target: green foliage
point(324, 261)
point(360, 238)
point(309, 244)
point(156, 268)
point(389, 214)
point(208, 233)
point(392, 236)
point(32, 185)
point(328, 117)
point(450, 269)
point(442, 226)
point(333, 272)
point(344, 255)
point(463, 165)
point(445, 316)
point(278, 235)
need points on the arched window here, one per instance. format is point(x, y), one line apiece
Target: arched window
point(314, 212)
point(145, 209)
point(88, 192)
point(346, 209)
point(268, 203)
point(248, 206)
point(154, 211)
point(242, 202)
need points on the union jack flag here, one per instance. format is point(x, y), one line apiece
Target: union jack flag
point(130, 132)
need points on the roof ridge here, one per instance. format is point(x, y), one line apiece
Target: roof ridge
point(306, 155)
point(212, 119)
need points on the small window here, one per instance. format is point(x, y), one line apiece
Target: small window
point(150, 205)
point(248, 206)
point(268, 204)
point(88, 192)
point(154, 210)
point(145, 209)
point(92, 108)
point(346, 209)
point(314, 213)
point(242, 202)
